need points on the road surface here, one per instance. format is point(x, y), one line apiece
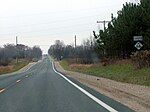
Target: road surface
point(42, 89)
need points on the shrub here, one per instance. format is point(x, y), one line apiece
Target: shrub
point(105, 61)
point(141, 59)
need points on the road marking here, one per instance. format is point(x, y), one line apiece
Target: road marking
point(26, 76)
point(86, 92)
point(2, 90)
point(18, 81)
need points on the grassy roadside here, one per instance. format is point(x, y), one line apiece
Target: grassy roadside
point(123, 73)
point(13, 66)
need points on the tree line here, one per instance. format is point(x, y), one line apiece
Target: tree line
point(117, 39)
point(10, 51)
point(84, 53)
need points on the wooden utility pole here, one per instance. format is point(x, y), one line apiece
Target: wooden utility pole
point(75, 44)
point(75, 41)
point(16, 40)
point(17, 49)
point(104, 23)
point(135, 1)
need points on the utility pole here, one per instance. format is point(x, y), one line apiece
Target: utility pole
point(135, 1)
point(91, 39)
point(104, 23)
point(16, 40)
point(17, 49)
point(75, 44)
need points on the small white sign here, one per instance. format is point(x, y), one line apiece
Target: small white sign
point(138, 38)
point(138, 45)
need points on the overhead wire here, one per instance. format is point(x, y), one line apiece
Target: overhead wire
point(54, 34)
point(55, 28)
point(54, 12)
point(51, 22)
point(54, 22)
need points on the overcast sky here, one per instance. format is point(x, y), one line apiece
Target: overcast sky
point(41, 22)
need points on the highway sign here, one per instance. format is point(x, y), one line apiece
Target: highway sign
point(138, 38)
point(138, 45)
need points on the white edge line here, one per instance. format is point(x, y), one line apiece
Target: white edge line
point(26, 76)
point(86, 92)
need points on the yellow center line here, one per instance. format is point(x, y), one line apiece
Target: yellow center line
point(18, 81)
point(2, 90)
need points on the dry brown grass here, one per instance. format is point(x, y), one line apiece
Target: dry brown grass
point(122, 71)
point(81, 65)
point(13, 66)
point(4, 69)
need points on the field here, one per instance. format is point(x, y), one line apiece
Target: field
point(13, 66)
point(122, 72)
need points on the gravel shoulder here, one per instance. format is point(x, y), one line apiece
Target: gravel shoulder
point(134, 96)
point(27, 67)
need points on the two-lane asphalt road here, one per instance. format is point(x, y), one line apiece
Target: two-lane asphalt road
point(42, 89)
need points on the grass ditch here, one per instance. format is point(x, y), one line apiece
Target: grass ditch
point(13, 66)
point(124, 72)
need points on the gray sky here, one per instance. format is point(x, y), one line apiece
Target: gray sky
point(41, 22)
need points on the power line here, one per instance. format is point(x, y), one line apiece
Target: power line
point(53, 28)
point(58, 34)
point(54, 12)
point(67, 32)
point(54, 22)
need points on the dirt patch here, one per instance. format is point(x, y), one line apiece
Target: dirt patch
point(135, 97)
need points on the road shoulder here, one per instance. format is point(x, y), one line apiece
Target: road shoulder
point(135, 97)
